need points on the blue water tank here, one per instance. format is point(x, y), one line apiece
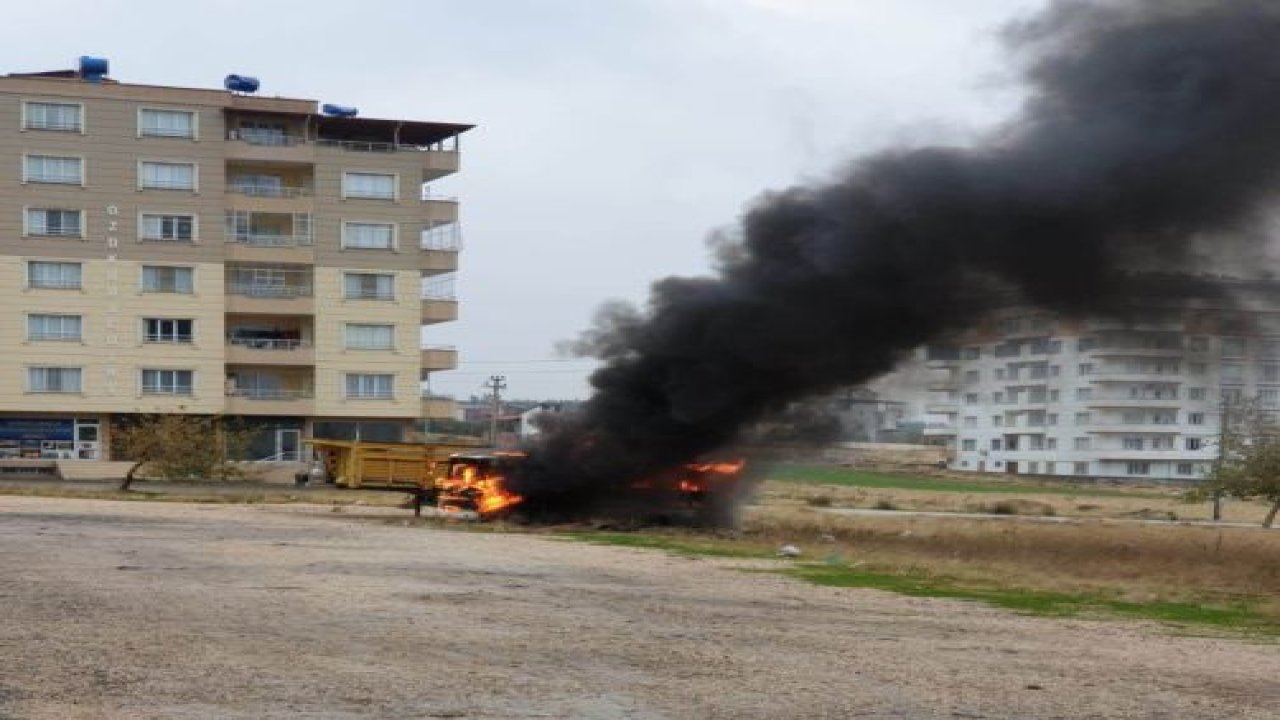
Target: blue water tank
point(338, 110)
point(241, 83)
point(93, 69)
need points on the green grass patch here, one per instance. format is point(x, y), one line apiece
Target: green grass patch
point(683, 545)
point(860, 478)
point(1237, 616)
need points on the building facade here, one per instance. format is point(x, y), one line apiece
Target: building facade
point(1136, 397)
point(177, 250)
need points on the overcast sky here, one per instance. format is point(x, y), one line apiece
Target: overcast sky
point(613, 135)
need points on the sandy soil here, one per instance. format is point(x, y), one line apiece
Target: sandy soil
point(149, 610)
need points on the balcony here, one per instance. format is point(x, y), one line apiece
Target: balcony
point(244, 401)
point(438, 210)
point(259, 299)
point(268, 146)
point(1128, 401)
point(439, 357)
point(437, 311)
point(940, 429)
point(948, 408)
point(269, 351)
point(439, 407)
point(1103, 428)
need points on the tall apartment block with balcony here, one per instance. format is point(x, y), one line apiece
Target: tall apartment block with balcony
point(178, 250)
point(1138, 396)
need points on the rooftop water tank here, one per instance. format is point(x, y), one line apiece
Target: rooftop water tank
point(241, 83)
point(93, 69)
point(338, 110)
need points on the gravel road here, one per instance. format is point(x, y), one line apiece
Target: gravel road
point(158, 610)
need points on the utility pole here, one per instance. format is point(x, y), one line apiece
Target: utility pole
point(496, 384)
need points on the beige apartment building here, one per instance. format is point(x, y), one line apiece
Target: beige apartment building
point(179, 250)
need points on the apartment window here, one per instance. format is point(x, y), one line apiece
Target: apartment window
point(370, 337)
point(972, 353)
point(1084, 393)
point(1194, 443)
point(997, 398)
point(1033, 468)
point(56, 169)
point(375, 236)
point(54, 327)
point(1051, 443)
point(1054, 395)
point(1082, 418)
point(995, 443)
point(168, 228)
point(1233, 347)
point(1186, 468)
point(997, 420)
point(1195, 393)
point(167, 123)
point(971, 398)
point(1085, 369)
point(53, 380)
point(1162, 443)
point(1081, 443)
point(1232, 372)
point(1080, 468)
point(969, 445)
point(1086, 344)
point(1000, 373)
point(167, 382)
point(378, 186)
point(1195, 418)
point(1133, 443)
point(166, 279)
point(52, 222)
point(1197, 368)
point(971, 422)
point(167, 175)
point(1233, 395)
point(1269, 398)
point(368, 286)
point(971, 376)
point(1055, 370)
point(56, 275)
point(52, 116)
point(1051, 418)
point(361, 385)
point(1138, 468)
point(167, 330)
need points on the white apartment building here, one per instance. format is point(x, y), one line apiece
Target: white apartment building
point(1030, 393)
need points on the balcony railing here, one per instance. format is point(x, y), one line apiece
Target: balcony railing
point(271, 393)
point(56, 231)
point(268, 343)
point(259, 239)
point(265, 137)
point(266, 191)
point(269, 291)
point(364, 146)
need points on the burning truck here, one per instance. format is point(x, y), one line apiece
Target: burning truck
point(462, 479)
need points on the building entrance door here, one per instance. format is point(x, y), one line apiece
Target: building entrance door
point(1011, 468)
point(288, 444)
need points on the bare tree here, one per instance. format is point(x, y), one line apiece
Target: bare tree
point(179, 447)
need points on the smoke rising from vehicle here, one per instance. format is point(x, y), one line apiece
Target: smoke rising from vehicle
point(1148, 124)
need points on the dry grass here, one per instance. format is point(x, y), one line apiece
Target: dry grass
point(1157, 504)
point(1132, 562)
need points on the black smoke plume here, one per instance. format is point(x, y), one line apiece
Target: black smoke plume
point(1148, 124)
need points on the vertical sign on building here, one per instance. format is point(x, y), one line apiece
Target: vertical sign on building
point(113, 296)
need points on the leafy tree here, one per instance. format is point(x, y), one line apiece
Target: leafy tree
point(179, 447)
point(1248, 466)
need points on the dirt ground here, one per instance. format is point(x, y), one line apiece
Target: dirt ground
point(151, 610)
